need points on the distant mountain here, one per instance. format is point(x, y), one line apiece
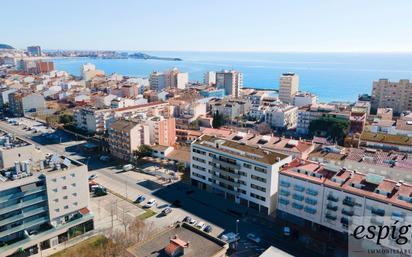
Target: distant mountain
point(4, 46)
point(146, 57)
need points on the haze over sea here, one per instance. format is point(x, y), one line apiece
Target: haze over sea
point(331, 76)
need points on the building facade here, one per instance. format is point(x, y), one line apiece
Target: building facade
point(395, 95)
point(231, 81)
point(288, 87)
point(243, 174)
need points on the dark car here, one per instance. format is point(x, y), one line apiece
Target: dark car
point(140, 199)
point(166, 211)
point(187, 219)
point(208, 229)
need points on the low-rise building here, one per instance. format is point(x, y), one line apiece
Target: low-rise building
point(244, 174)
point(304, 99)
point(22, 103)
point(180, 240)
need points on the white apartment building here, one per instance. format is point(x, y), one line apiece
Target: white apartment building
point(340, 198)
point(244, 174)
point(98, 120)
point(304, 99)
point(282, 116)
point(157, 81)
point(231, 81)
point(230, 108)
point(288, 87)
point(209, 78)
point(182, 79)
point(43, 202)
point(395, 95)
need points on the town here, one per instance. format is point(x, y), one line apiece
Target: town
point(165, 164)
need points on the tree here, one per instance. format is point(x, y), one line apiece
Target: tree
point(142, 151)
point(180, 167)
point(263, 128)
point(66, 118)
point(332, 128)
point(218, 120)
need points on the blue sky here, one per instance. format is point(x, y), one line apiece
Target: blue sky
point(209, 25)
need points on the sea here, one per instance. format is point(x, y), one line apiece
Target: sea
point(330, 76)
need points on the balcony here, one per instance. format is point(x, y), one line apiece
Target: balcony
point(379, 212)
point(23, 205)
point(330, 216)
point(332, 207)
point(228, 164)
point(347, 212)
point(23, 216)
point(14, 196)
point(226, 181)
point(376, 221)
point(349, 202)
point(226, 173)
point(333, 198)
point(24, 226)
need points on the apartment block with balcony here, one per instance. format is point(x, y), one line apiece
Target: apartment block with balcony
point(42, 203)
point(395, 95)
point(125, 137)
point(339, 198)
point(243, 174)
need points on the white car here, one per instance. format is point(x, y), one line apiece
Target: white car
point(150, 203)
point(253, 237)
point(193, 222)
point(201, 225)
point(94, 176)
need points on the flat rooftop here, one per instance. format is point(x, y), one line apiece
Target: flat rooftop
point(10, 141)
point(201, 244)
point(240, 149)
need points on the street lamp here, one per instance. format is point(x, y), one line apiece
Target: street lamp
point(237, 231)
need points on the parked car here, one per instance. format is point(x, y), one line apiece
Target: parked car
point(127, 167)
point(166, 211)
point(193, 222)
point(150, 203)
point(187, 219)
point(253, 237)
point(208, 229)
point(91, 177)
point(140, 199)
point(230, 237)
point(201, 225)
point(100, 191)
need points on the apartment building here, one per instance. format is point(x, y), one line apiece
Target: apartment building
point(338, 199)
point(244, 174)
point(98, 120)
point(288, 87)
point(305, 115)
point(34, 50)
point(126, 136)
point(304, 99)
point(395, 95)
point(281, 116)
point(44, 203)
point(157, 81)
point(230, 108)
point(231, 81)
point(162, 130)
point(22, 103)
point(209, 78)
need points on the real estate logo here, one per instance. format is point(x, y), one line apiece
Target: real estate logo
point(380, 236)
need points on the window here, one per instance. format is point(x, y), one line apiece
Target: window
point(74, 194)
point(198, 167)
point(311, 201)
point(198, 175)
point(56, 200)
point(258, 197)
point(242, 182)
point(64, 187)
point(64, 177)
point(312, 192)
point(259, 169)
point(73, 175)
point(283, 201)
point(195, 150)
point(258, 187)
point(74, 184)
point(246, 165)
point(57, 210)
point(263, 180)
point(65, 197)
point(66, 207)
point(284, 183)
point(284, 192)
point(198, 159)
point(297, 206)
point(298, 197)
point(310, 210)
point(299, 188)
point(75, 203)
point(54, 180)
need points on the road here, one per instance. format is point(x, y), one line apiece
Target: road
point(201, 206)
